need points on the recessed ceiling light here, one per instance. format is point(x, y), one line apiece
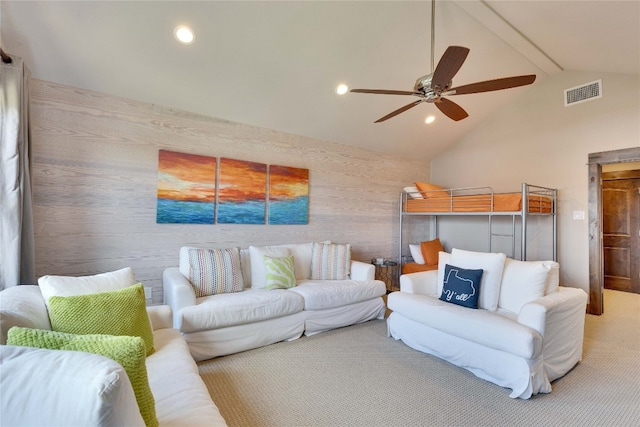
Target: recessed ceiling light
point(342, 89)
point(184, 34)
point(430, 119)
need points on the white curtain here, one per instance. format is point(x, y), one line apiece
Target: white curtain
point(17, 253)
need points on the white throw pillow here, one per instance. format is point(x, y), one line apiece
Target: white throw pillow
point(492, 264)
point(65, 286)
point(301, 259)
point(522, 282)
point(416, 254)
point(257, 254)
point(444, 258)
point(553, 279)
point(245, 263)
point(413, 192)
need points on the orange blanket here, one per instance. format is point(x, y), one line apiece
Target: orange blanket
point(502, 202)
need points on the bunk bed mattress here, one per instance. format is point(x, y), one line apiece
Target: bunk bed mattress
point(502, 202)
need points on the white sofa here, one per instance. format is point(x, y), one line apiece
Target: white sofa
point(527, 332)
point(227, 323)
point(41, 387)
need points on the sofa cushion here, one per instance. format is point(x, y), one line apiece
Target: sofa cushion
point(127, 351)
point(280, 272)
point(492, 264)
point(461, 286)
point(182, 399)
point(212, 271)
point(91, 390)
point(323, 294)
point(330, 261)
point(257, 254)
point(121, 312)
point(248, 306)
point(483, 327)
point(430, 250)
point(68, 286)
point(522, 282)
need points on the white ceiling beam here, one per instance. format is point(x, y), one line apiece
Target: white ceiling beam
point(488, 17)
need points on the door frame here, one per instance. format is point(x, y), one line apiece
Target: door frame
point(596, 253)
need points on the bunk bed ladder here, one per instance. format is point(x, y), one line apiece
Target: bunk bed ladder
point(511, 235)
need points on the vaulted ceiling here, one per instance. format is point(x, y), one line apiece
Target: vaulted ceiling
point(277, 64)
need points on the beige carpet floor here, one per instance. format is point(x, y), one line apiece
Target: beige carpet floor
point(356, 376)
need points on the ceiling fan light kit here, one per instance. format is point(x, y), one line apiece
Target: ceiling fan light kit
point(433, 88)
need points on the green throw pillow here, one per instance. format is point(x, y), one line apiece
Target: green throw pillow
point(280, 273)
point(121, 312)
point(127, 351)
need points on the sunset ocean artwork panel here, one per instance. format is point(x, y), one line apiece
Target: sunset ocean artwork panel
point(242, 192)
point(288, 195)
point(186, 188)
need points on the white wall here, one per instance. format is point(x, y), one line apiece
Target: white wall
point(538, 140)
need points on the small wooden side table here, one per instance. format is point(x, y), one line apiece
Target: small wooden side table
point(388, 272)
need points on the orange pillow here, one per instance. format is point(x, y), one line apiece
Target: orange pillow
point(430, 251)
point(432, 190)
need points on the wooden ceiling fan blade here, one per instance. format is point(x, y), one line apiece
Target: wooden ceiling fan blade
point(491, 85)
point(451, 109)
point(384, 91)
point(448, 66)
point(398, 111)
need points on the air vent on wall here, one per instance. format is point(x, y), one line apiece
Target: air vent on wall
point(583, 93)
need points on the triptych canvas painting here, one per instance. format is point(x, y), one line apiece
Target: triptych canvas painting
point(194, 189)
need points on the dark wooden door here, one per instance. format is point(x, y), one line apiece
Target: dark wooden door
point(621, 230)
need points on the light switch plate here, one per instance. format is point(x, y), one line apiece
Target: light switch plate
point(148, 293)
point(578, 215)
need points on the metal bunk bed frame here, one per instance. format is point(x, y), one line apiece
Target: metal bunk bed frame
point(527, 190)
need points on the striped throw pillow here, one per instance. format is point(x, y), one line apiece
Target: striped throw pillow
point(280, 273)
point(215, 271)
point(330, 261)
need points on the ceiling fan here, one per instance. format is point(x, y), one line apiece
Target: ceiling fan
point(434, 87)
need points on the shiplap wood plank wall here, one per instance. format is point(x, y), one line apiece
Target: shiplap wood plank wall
point(95, 160)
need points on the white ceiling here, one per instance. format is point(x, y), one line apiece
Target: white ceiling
point(277, 64)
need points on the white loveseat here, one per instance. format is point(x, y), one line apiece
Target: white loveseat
point(527, 331)
point(226, 323)
point(41, 387)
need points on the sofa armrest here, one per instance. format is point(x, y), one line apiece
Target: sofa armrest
point(559, 310)
point(178, 293)
point(160, 317)
point(362, 271)
point(559, 317)
point(423, 282)
point(65, 388)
